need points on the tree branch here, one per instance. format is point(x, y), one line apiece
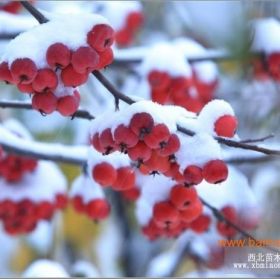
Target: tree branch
point(34, 12)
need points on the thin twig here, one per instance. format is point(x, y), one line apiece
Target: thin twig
point(251, 160)
point(34, 12)
point(258, 139)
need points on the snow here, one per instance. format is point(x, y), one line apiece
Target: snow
point(34, 43)
point(85, 268)
point(85, 187)
point(211, 112)
point(197, 150)
point(266, 35)
point(41, 185)
point(17, 128)
point(167, 58)
point(143, 211)
point(45, 268)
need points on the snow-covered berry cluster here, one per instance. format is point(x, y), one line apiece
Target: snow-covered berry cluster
point(51, 60)
point(189, 86)
point(88, 198)
point(126, 22)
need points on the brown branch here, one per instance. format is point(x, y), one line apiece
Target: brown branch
point(258, 139)
point(34, 12)
point(251, 160)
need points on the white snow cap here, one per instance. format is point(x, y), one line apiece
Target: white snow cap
point(45, 269)
point(197, 150)
point(85, 187)
point(70, 29)
point(206, 71)
point(211, 112)
point(168, 58)
point(266, 35)
point(43, 184)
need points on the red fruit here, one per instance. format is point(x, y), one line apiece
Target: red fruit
point(226, 126)
point(139, 152)
point(165, 214)
point(78, 204)
point(273, 65)
point(67, 105)
point(23, 70)
point(223, 227)
point(98, 209)
point(12, 7)
point(25, 208)
point(85, 59)
point(160, 96)
point(5, 74)
point(72, 78)
point(61, 201)
point(45, 210)
point(193, 175)
point(25, 88)
point(141, 124)
point(215, 171)
point(106, 141)
point(104, 174)
point(159, 80)
point(124, 37)
point(158, 137)
point(151, 230)
point(8, 209)
point(58, 55)
point(134, 20)
point(124, 137)
point(105, 58)
point(44, 102)
point(182, 197)
point(95, 142)
point(45, 80)
point(205, 90)
point(158, 163)
point(125, 179)
point(131, 194)
point(192, 212)
point(201, 224)
point(101, 37)
point(174, 173)
point(171, 147)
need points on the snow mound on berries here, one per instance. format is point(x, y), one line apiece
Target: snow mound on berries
point(70, 30)
point(266, 35)
point(43, 184)
point(168, 58)
point(86, 188)
point(43, 268)
point(161, 114)
point(211, 112)
point(116, 159)
point(15, 23)
point(118, 19)
point(197, 150)
point(206, 71)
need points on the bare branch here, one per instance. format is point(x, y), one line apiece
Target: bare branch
point(258, 139)
point(34, 12)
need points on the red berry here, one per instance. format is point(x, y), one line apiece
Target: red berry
point(159, 80)
point(72, 78)
point(25, 88)
point(125, 179)
point(44, 210)
point(141, 124)
point(131, 194)
point(174, 173)
point(67, 105)
point(160, 96)
point(44, 102)
point(78, 204)
point(95, 142)
point(124, 137)
point(85, 59)
point(182, 197)
point(223, 227)
point(98, 209)
point(226, 126)
point(201, 224)
point(171, 147)
point(104, 174)
point(124, 37)
point(58, 55)
point(151, 230)
point(157, 163)
point(273, 65)
point(23, 70)
point(5, 74)
point(165, 214)
point(61, 201)
point(105, 58)
point(215, 171)
point(158, 136)
point(106, 141)
point(45, 80)
point(193, 175)
point(101, 37)
point(139, 152)
point(134, 20)
point(192, 212)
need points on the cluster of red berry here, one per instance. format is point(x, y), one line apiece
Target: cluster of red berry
point(188, 92)
point(133, 22)
point(21, 217)
point(182, 211)
point(13, 167)
point(51, 87)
